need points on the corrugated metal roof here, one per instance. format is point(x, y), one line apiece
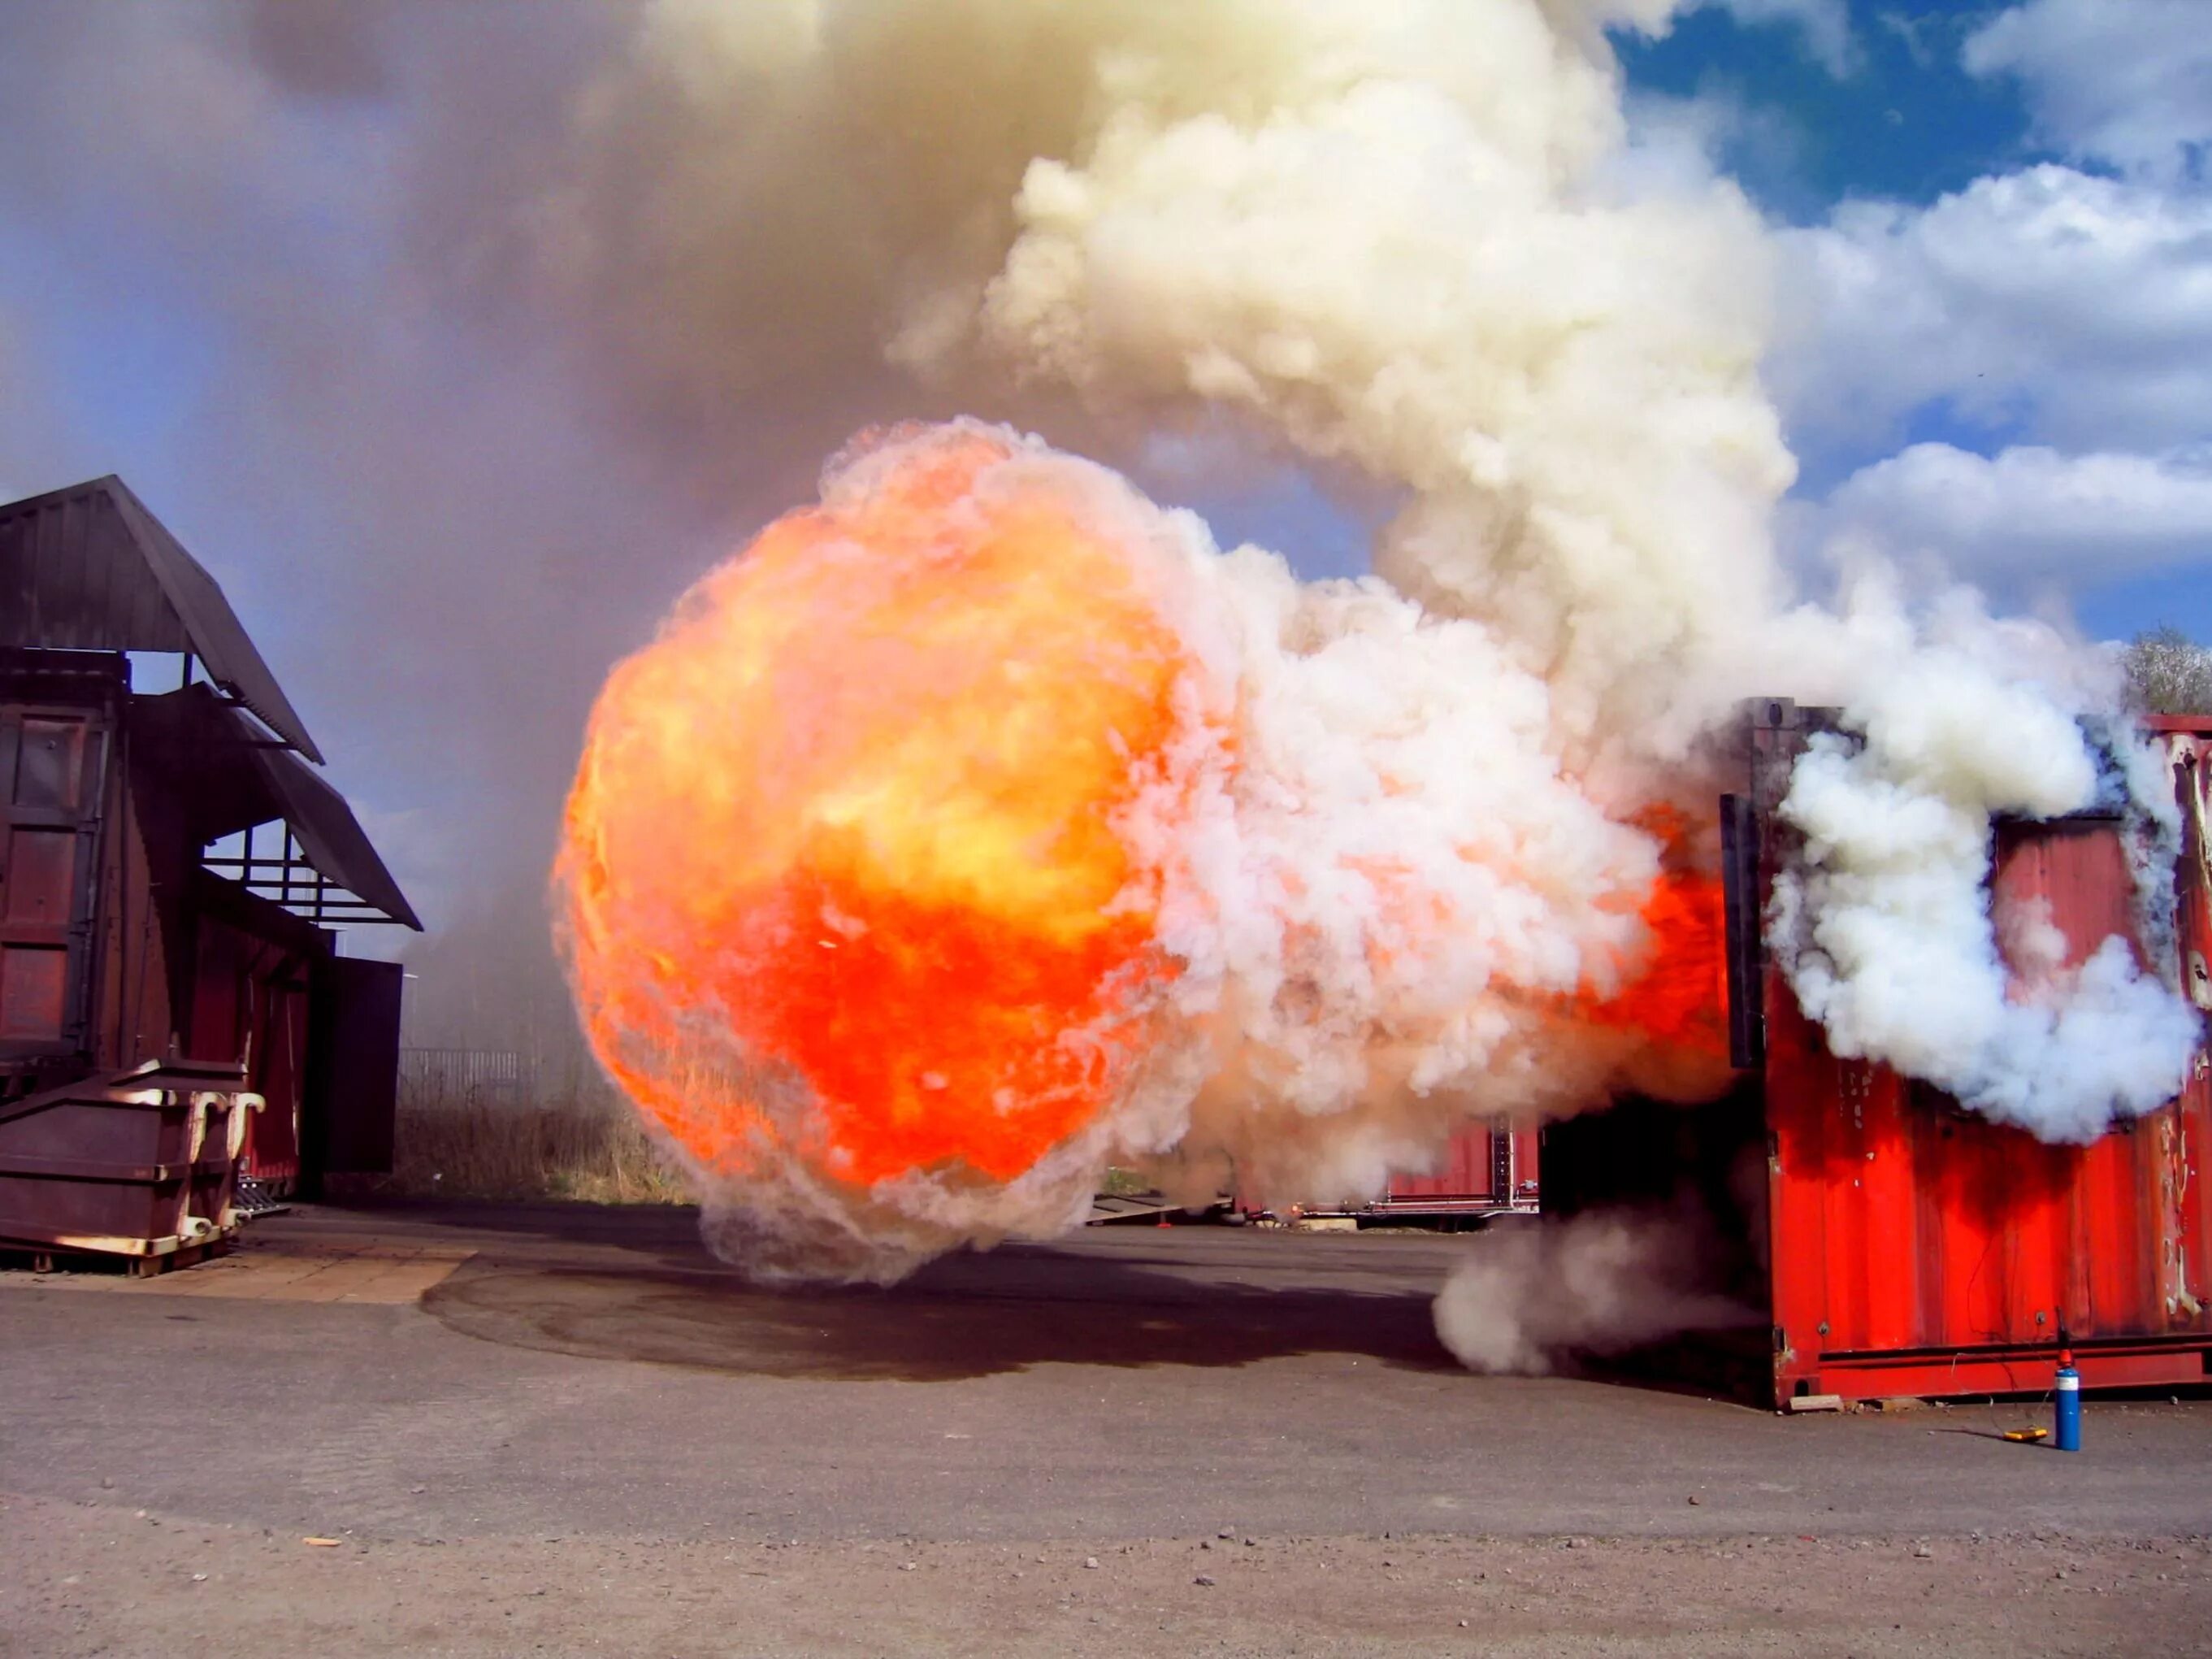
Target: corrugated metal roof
point(88, 567)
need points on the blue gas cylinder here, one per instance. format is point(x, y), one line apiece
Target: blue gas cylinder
point(2069, 1404)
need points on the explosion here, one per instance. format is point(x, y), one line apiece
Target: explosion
point(980, 822)
point(986, 823)
point(852, 856)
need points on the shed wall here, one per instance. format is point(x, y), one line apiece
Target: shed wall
point(116, 947)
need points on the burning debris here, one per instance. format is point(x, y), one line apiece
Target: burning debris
point(986, 823)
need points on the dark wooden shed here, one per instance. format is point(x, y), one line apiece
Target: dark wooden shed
point(172, 864)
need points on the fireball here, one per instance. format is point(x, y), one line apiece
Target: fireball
point(849, 874)
point(1675, 1000)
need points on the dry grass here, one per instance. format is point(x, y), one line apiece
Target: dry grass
point(586, 1151)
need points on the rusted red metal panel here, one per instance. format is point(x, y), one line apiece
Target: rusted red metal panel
point(1481, 1168)
point(131, 997)
point(1527, 1177)
point(279, 1072)
point(2184, 1181)
point(250, 1008)
point(355, 1068)
point(1464, 1172)
point(53, 767)
point(1918, 1248)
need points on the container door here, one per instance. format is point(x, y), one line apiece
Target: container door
point(2185, 1197)
point(278, 1069)
point(354, 1083)
point(1526, 1148)
point(53, 764)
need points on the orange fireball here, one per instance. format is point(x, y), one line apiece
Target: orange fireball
point(846, 873)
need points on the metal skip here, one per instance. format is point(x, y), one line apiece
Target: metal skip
point(140, 1163)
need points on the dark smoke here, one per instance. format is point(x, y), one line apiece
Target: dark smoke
point(436, 434)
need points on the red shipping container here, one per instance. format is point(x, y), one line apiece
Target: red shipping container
point(1917, 1247)
point(1896, 1242)
point(1482, 1170)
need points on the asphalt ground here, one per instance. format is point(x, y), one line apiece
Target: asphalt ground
point(469, 1401)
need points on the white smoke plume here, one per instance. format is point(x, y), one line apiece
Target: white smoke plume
point(1408, 245)
point(1890, 940)
point(1527, 1297)
point(1405, 242)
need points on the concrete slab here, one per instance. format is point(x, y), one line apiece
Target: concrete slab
point(271, 1266)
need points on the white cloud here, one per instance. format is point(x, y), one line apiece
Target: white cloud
point(1826, 25)
point(2128, 82)
point(1913, 32)
point(2048, 304)
point(2027, 516)
point(1677, 145)
point(2060, 312)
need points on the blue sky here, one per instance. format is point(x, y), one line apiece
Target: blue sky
point(1816, 108)
point(2041, 254)
point(1903, 118)
point(251, 261)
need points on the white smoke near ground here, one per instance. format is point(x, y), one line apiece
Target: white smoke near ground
point(1410, 246)
point(1527, 1297)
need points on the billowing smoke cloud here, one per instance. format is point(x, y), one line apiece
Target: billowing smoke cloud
point(1407, 247)
point(1888, 935)
point(1529, 1296)
point(1441, 836)
point(272, 275)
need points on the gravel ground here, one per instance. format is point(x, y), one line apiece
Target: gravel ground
point(586, 1437)
point(93, 1580)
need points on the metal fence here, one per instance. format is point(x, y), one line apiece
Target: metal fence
point(500, 1074)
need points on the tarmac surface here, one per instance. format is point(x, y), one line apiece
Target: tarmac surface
point(515, 1402)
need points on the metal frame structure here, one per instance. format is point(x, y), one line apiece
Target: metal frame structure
point(1484, 1172)
point(297, 885)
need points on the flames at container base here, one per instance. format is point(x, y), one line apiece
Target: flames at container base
point(936, 853)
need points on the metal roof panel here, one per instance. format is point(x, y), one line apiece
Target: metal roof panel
point(331, 836)
point(89, 568)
